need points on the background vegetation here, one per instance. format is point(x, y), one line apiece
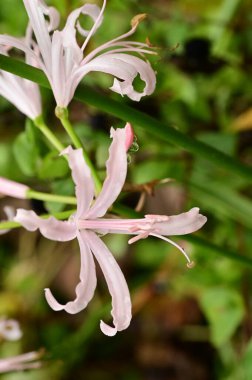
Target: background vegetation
point(188, 324)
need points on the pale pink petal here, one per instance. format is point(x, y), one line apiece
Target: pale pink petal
point(10, 329)
point(17, 43)
point(84, 185)
point(129, 136)
point(36, 10)
point(66, 57)
point(21, 362)
point(118, 288)
point(145, 72)
point(125, 67)
point(90, 10)
point(10, 213)
point(24, 95)
point(53, 15)
point(58, 74)
point(51, 228)
point(181, 224)
point(85, 289)
point(13, 189)
point(116, 174)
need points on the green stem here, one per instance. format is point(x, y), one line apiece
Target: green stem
point(31, 194)
point(40, 124)
point(62, 114)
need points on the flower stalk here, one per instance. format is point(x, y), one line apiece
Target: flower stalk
point(32, 194)
point(46, 131)
point(62, 115)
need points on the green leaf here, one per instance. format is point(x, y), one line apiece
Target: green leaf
point(224, 310)
point(26, 150)
point(53, 167)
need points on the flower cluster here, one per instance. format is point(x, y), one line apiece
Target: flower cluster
point(65, 63)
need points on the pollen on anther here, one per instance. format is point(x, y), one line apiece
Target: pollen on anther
point(190, 265)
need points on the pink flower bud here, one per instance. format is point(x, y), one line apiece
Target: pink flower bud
point(129, 136)
point(13, 189)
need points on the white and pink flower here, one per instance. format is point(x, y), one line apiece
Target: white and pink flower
point(22, 93)
point(65, 63)
point(88, 223)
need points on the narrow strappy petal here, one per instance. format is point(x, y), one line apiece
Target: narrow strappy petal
point(86, 287)
point(118, 288)
point(51, 228)
point(116, 174)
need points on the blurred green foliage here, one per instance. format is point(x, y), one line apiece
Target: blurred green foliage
point(204, 87)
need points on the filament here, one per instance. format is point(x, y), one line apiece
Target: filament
point(190, 263)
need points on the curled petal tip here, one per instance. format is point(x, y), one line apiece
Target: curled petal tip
point(52, 301)
point(66, 151)
point(107, 330)
point(129, 136)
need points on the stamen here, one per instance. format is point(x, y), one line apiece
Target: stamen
point(190, 263)
point(94, 26)
point(143, 235)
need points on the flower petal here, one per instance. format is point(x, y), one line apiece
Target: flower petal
point(116, 174)
point(118, 288)
point(58, 73)
point(84, 185)
point(17, 43)
point(10, 213)
point(129, 136)
point(85, 289)
point(90, 10)
point(181, 224)
point(36, 10)
point(53, 15)
point(23, 94)
point(10, 329)
point(146, 73)
point(51, 228)
point(124, 67)
point(13, 189)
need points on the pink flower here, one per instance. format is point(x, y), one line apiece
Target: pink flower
point(13, 189)
point(10, 329)
point(65, 62)
point(20, 362)
point(23, 93)
point(89, 222)
point(10, 213)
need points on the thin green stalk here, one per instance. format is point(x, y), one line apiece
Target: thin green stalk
point(62, 114)
point(40, 124)
point(31, 194)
